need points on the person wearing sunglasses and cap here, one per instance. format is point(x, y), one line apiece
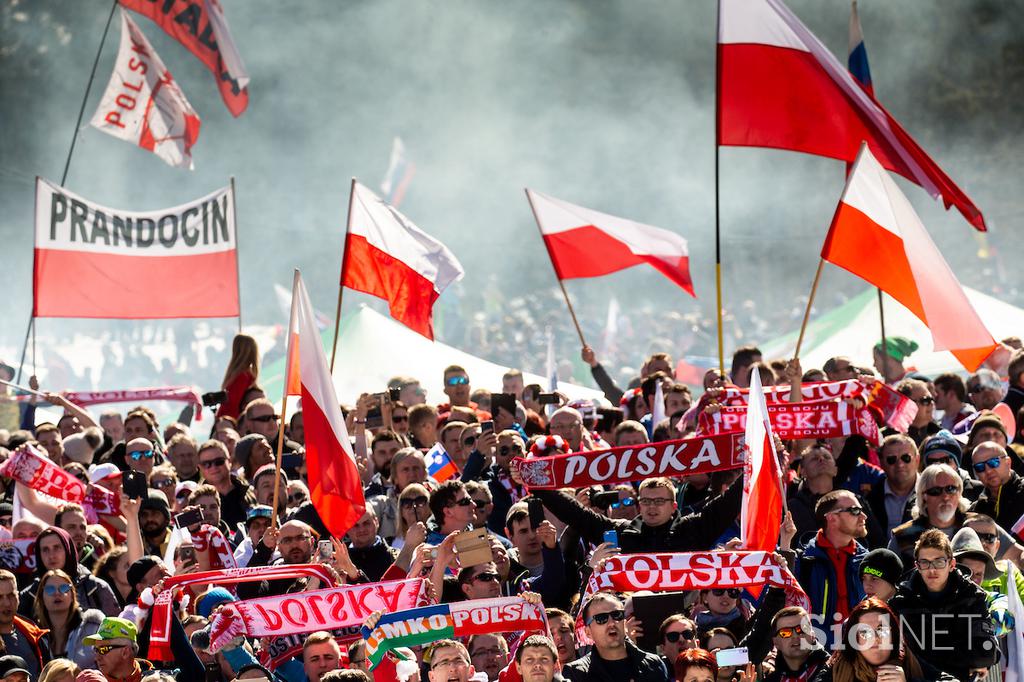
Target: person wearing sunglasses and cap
point(614, 658)
point(117, 649)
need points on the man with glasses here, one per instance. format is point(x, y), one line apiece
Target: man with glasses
point(1003, 497)
point(677, 633)
point(985, 389)
point(235, 496)
point(659, 527)
point(482, 581)
point(828, 566)
point(840, 368)
point(489, 654)
point(892, 500)
point(140, 455)
point(614, 657)
point(923, 425)
point(295, 542)
point(943, 448)
point(117, 650)
point(944, 614)
point(457, 388)
point(452, 510)
point(448, 661)
point(939, 504)
point(260, 417)
point(504, 491)
point(798, 654)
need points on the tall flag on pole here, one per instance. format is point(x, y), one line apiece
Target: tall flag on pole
point(877, 236)
point(586, 243)
point(761, 515)
point(199, 25)
point(780, 87)
point(143, 103)
point(399, 175)
point(858, 59)
point(335, 487)
point(387, 256)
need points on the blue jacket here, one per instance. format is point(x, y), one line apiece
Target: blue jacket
point(817, 575)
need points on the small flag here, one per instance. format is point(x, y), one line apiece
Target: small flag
point(440, 466)
point(761, 515)
point(399, 175)
point(858, 59)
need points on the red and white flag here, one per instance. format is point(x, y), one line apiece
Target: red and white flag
point(587, 243)
point(199, 25)
point(876, 235)
point(143, 103)
point(761, 515)
point(335, 487)
point(95, 261)
point(780, 87)
point(389, 257)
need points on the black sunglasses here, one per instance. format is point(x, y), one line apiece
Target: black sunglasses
point(732, 592)
point(506, 450)
point(602, 618)
point(487, 577)
point(674, 637)
point(264, 418)
point(905, 458)
point(940, 489)
point(413, 501)
point(464, 502)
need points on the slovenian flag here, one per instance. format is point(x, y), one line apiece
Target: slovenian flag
point(858, 59)
point(440, 466)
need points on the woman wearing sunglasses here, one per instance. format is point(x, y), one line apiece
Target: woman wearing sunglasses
point(721, 608)
point(875, 650)
point(413, 508)
point(56, 608)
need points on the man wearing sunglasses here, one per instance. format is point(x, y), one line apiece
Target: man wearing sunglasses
point(117, 650)
point(452, 510)
point(614, 658)
point(939, 503)
point(458, 390)
point(828, 566)
point(235, 495)
point(260, 417)
point(504, 491)
point(923, 424)
point(798, 654)
point(892, 500)
point(1003, 497)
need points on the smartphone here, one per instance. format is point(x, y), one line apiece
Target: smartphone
point(547, 398)
point(503, 401)
point(187, 554)
point(536, 508)
point(325, 550)
point(374, 418)
point(612, 537)
point(381, 397)
point(292, 461)
point(486, 426)
point(604, 499)
point(189, 517)
point(214, 398)
point(135, 485)
point(727, 658)
point(652, 610)
point(394, 394)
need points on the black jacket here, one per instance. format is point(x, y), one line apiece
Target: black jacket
point(801, 503)
point(694, 532)
point(876, 501)
point(373, 560)
point(93, 592)
point(236, 503)
point(591, 668)
point(1007, 506)
point(952, 629)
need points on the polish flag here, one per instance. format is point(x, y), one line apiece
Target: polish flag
point(761, 515)
point(389, 257)
point(335, 486)
point(585, 243)
point(780, 87)
point(876, 235)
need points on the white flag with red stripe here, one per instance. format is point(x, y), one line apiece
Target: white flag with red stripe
point(335, 487)
point(387, 256)
point(876, 235)
point(587, 243)
point(143, 103)
point(761, 516)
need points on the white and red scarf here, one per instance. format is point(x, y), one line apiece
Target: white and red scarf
point(185, 394)
point(791, 421)
point(330, 609)
point(160, 639)
point(31, 467)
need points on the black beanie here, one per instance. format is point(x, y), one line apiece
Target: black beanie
point(158, 501)
point(882, 563)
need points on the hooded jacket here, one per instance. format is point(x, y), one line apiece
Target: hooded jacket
point(93, 592)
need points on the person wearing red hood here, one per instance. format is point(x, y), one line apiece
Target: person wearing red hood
point(55, 549)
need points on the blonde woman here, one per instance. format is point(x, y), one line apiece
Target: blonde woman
point(59, 670)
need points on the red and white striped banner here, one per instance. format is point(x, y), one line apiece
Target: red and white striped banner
point(790, 421)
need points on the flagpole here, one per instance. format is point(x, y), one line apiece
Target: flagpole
point(341, 286)
point(565, 293)
point(24, 346)
point(85, 98)
point(881, 316)
point(718, 236)
point(807, 312)
point(238, 271)
point(284, 402)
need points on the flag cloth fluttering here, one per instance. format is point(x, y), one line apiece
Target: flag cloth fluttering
point(780, 87)
point(857, 61)
point(876, 235)
point(335, 487)
point(387, 256)
point(586, 243)
point(761, 515)
point(143, 103)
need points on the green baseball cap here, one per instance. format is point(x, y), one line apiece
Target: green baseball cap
point(112, 629)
